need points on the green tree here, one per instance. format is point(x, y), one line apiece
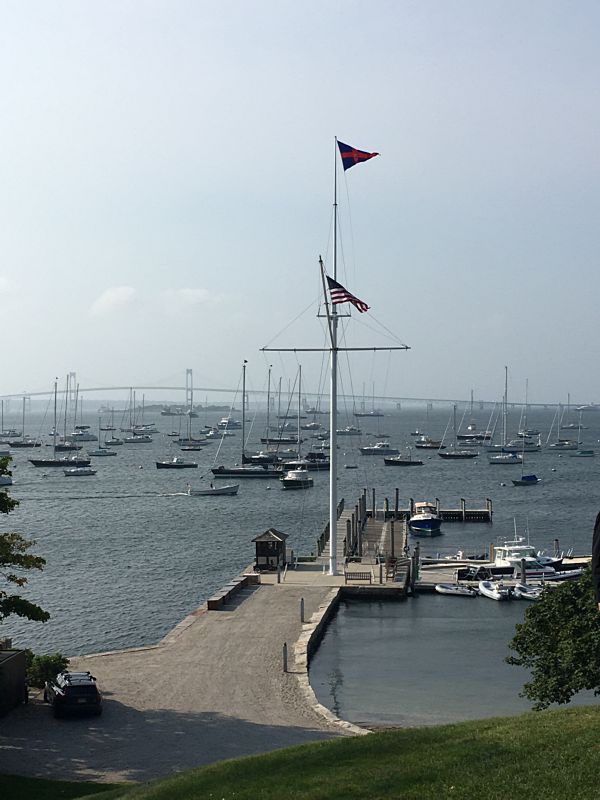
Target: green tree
point(559, 643)
point(15, 560)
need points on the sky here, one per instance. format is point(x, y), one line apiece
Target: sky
point(166, 190)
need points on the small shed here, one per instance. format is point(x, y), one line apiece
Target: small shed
point(13, 667)
point(270, 550)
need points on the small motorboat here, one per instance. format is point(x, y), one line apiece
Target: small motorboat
point(350, 466)
point(296, 479)
point(527, 480)
point(457, 589)
point(399, 461)
point(210, 490)
point(495, 590)
point(425, 521)
point(378, 449)
point(176, 463)
point(103, 451)
point(524, 591)
point(73, 472)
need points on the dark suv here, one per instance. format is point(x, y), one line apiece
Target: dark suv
point(73, 692)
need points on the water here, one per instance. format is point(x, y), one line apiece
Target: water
point(128, 555)
point(429, 660)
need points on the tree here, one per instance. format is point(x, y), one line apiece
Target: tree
point(559, 643)
point(15, 559)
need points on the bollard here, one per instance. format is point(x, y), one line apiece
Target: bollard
point(285, 663)
point(278, 574)
point(301, 609)
point(380, 572)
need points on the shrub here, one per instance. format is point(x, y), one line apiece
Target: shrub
point(44, 668)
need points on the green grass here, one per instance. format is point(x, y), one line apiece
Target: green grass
point(553, 755)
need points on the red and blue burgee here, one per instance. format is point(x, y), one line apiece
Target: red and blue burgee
point(351, 156)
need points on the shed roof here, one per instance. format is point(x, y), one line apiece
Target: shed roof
point(271, 535)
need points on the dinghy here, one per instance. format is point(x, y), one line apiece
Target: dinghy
point(495, 591)
point(457, 589)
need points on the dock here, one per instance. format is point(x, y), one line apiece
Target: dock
point(231, 679)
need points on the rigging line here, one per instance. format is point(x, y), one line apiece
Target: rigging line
point(291, 322)
point(365, 323)
point(222, 438)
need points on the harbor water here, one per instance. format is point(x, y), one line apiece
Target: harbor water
point(129, 553)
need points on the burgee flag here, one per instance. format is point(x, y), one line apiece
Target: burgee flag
point(351, 156)
point(341, 295)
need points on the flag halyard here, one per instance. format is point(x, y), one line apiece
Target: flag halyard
point(339, 294)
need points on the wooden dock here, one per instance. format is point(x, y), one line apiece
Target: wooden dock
point(461, 514)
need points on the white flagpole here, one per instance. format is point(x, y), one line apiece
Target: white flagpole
point(333, 502)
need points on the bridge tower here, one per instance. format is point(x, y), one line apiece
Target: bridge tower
point(189, 389)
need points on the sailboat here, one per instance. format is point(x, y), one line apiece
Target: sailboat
point(25, 441)
point(454, 453)
point(249, 470)
point(525, 480)
point(59, 461)
point(335, 294)
point(374, 412)
point(503, 457)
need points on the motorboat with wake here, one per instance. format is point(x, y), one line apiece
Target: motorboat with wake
point(228, 489)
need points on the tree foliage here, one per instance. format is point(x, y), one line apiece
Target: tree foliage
point(559, 643)
point(15, 560)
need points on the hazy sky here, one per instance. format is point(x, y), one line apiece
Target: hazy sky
point(167, 186)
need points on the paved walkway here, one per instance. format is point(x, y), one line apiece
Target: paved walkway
point(214, 689)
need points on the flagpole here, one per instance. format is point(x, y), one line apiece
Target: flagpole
point(333, 397)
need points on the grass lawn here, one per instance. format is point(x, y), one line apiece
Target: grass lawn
point(551, 755)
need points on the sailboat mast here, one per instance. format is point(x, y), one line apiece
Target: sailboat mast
point(23, 433)
point(268, 401)
point(505, 412)
point(333, 459)
point(299, 403)
point(244, 409)
point(54, 428)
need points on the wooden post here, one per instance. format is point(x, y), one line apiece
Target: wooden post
point(359, 548)
point(285, 657)
point(373, 509)
point(380, 572)
point(556, 548)
point(392, 537)
point(386, 508)
point(278, 574)
point(523, 571)
point(348, 540)
point(488, 504)
point(411, 506)
point(437, 505)
point(301, 609)
point(463, 507)
point(491, 551)
point(396, 503)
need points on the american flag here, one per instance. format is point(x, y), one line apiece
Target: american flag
point(341, 295)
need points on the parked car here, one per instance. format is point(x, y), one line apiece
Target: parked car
point(73, 693)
